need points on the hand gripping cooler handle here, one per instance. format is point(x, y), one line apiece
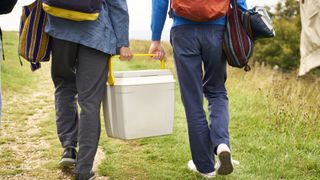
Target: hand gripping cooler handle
point(111, 79)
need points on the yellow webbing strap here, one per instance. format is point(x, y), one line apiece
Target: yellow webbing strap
point(111, 78)
point(69, 14)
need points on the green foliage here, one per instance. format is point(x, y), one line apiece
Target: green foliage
point(284, 49)
point(14, 76)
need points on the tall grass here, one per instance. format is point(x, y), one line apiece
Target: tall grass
point(274, 123)
point(14, 76)
point(273, 127)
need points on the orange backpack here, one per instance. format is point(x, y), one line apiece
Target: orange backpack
point(200, 10)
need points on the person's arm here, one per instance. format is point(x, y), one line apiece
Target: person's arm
point(158, 18)
point(119, 16)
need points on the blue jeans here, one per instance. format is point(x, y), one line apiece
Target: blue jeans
point(201, 70)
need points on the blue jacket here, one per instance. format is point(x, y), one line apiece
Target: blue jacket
point(159, 14)
point(109, 32)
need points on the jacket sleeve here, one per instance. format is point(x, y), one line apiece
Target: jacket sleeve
point(158, 17)
point(119, 16)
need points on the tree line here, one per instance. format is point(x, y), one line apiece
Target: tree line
point(284, 49)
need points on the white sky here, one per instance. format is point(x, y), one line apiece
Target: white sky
point(139, 10)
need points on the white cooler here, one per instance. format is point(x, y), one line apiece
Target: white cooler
point(140, 104)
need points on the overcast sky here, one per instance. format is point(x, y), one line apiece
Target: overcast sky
point(139, 11)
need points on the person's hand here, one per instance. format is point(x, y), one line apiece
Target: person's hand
point(125, 54)
point(157, 49)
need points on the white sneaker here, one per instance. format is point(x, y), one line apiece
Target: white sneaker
point(225, 165)
point(193, 168)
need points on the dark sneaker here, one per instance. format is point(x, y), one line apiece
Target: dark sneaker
point(85, 176)
point(225, 166)
point(69, 157)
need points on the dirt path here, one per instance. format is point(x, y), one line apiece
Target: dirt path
point(29, 148)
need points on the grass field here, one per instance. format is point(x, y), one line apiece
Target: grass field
point(274, 127)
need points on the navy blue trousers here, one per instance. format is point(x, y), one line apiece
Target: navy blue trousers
point(201, 70)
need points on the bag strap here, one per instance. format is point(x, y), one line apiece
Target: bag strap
point(234, 3)
point(111, 78)
point(170, 9)
point(232, 6)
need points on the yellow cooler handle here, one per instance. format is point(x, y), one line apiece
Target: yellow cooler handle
point(111, 78)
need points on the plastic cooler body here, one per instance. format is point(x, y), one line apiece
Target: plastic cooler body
point(140, 104)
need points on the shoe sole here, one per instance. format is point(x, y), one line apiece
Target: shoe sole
point(201, 174)
point(93, 177)
point(67, 162)
point(226, 166)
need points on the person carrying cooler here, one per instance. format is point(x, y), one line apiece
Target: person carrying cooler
point(196, 38)
point(79, 72)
